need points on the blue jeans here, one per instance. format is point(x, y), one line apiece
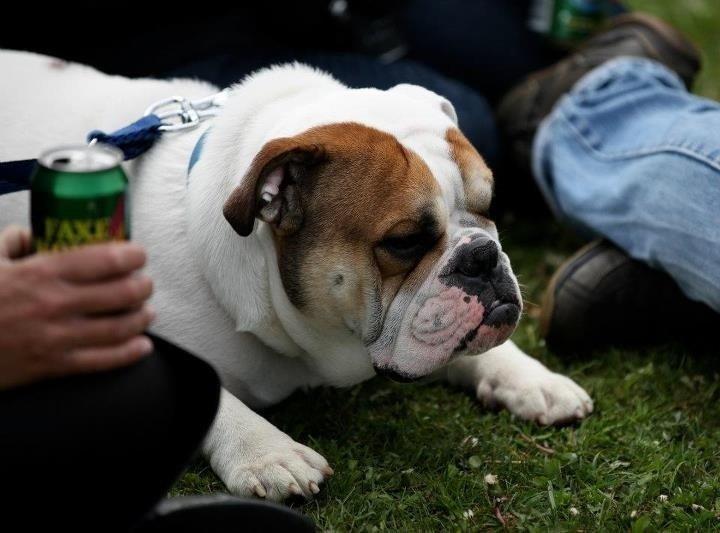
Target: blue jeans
point(630, 155)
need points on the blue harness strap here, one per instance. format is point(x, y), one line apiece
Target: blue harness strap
point(135, 139)
point(197, 151)
point(132, 140)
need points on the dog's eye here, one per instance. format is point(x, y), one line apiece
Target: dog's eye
point(407, 246)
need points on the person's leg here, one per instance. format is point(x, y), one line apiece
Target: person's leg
point(523, 108)
point(97, 452)
point(473, 111)
point(630, 155)
point(486, 43)
point(601, 296)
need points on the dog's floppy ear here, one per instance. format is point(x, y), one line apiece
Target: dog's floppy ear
point(270, 190)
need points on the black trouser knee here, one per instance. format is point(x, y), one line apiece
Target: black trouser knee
point(98, 451)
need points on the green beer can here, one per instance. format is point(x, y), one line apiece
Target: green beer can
point(570, 21)
point(78, 195)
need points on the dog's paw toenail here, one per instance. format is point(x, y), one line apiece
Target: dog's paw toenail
point(260, 491)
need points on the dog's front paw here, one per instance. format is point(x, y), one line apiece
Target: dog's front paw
point(539, 395)
point(278, 470)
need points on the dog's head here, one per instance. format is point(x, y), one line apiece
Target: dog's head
point(379, 222)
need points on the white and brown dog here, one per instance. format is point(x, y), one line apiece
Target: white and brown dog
point(324, 235)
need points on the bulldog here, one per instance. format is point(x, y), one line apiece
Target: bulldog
point(323, 235)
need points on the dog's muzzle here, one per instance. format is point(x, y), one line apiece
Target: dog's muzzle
point(470, 304)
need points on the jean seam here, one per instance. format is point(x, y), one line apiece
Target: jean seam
point(631, 154)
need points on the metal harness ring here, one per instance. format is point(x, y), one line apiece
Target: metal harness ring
point(184, 113)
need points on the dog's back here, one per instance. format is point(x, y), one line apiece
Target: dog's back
point(47, 101)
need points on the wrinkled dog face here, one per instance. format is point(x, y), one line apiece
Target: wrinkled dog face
point(367, 240)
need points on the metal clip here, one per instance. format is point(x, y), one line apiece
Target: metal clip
point(182, 114)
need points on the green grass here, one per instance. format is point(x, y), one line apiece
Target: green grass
point(699, 19)
point(414, 457)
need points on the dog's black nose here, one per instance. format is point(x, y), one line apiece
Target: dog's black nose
point(478, 258)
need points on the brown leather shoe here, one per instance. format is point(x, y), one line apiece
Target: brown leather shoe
point(634, 34)
point(601, 297)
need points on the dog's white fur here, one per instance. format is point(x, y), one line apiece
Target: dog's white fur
point(220, 296)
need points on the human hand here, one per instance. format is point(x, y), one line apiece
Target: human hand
point(70, 312)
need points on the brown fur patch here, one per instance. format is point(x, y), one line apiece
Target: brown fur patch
point(477, 177)
point(360, 186)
